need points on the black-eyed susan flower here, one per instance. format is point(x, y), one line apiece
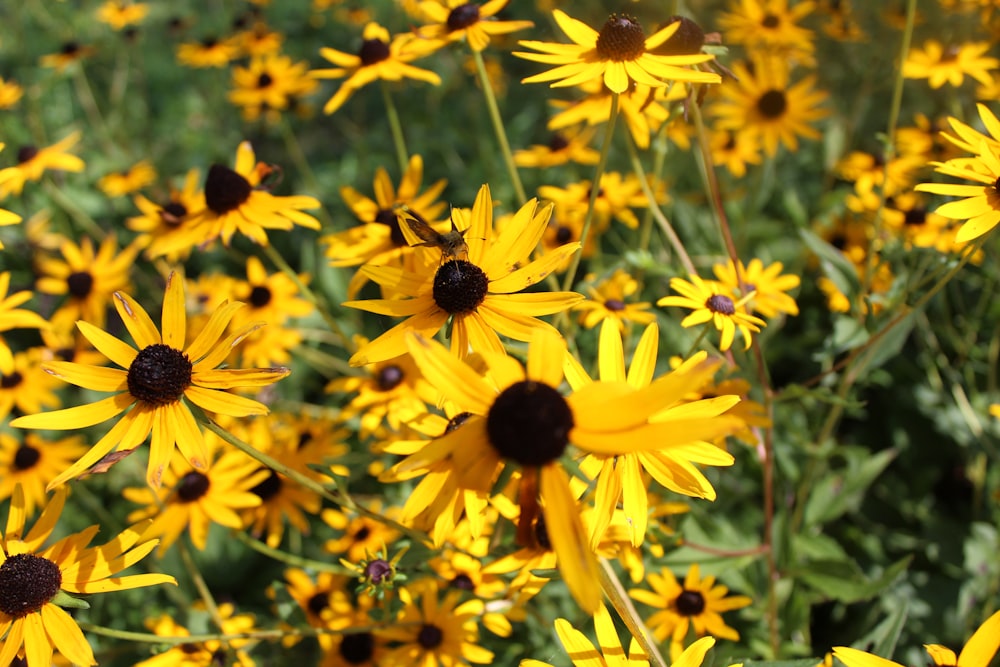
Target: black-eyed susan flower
point(907, 215)
point(979, 205)
point(10, 92)
point(87, 278)
point(482, 295)
point(735, 150)
point(209, 52)
point(133, 179)
point(977, 652)
point(203, 654)
point(360, 535)
point(236, 202)
point(941, 64)
point(764, 102)
point(638, 107)
point(27, 387)
point(617, 195)
point(768, 285)
point(159, 222)
point(696, 603)
point(572, 145)
point(34, 578)
point(154, 381)
point(192, 500)
point(68, 54)
point(620, 54)
point(33, 162)
point(611, 652)
point(378, 58)
point(12, 317)
point(770, 26)
point(119, 15)
point(713, 302)
point(453, 20)
point(436, 631)
point(607, 300)
point(258, 40)
point(32, 462)
point(270, 84)
point(519, 416)
point(620, 478)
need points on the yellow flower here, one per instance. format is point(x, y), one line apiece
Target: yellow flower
point(209, 52)
point(153, 381)
point(159, 223)
point(27, 386)
point(12, 317)
point(119, 15)
point(202, 654)
point(10, 93)
point(69, 53)
point(620, 53)
point(33, 162)
point(768, 286)
point(378, 58)
point(978, 651)
point(770, 26)
point(35, 580)
point(481, 295)
point(33, 463)
point(270, 84)
point(563, 147)
point(457, 19)
point(607, 301)
point(136, 177)
point(940, 64)
point(711, 302)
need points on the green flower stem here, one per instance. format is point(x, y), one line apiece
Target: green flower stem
point(890, 148)
point(301, 163)
point(321, 306)
point(273, 634)
point(595, 188)
point(291, 559)
point(714, 192)
point(85, 96)
point(338, 496)
point(656, 213)
point(199, 583)
point(494, 111)
point(86, 223)
point(402, 155)
point(659, 144)
point(619, 599)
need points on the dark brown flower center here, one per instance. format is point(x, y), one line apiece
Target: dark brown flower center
point(459, 287)
point(357, 648)
point(159, 374)
point(318, 602)
point(264, 80)
point(26, 457)
point(388, 217)
point(192, 486)
point(687, 41)
point(79, 284)
point(173, 213)
point(529, 422)
point(70, 48)
point(269, 487)
point(26, 154)
point(462, 17)
point(430, 636)
point(558, 142)
point(621, 39)
point(915, 216)
point(772, 104)
point(770, 21)
point(377, 571)
point(463, 582)
point(11, 381)
point(225, 190)
point(27, 582)
point(260, 296)
point(614, 304)
point(542, 533)
point(373, 51)
point(389, 377)
point(564, 234)
point(690, 603)
point(362, 534)
point(722, 304)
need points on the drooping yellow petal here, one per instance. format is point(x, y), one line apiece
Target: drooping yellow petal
point(577, 562)
point(12, 642)
point(37, 647)
point(224, 403)
point(65, 634)
point(80, 416)
point(852, 657)
point(546, 351)
point(983, 644)
point(456, 380)
point(16, 515)
point(577, 646)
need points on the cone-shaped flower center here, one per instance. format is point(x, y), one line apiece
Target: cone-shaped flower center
point(557, 142)
point(614, 305)
point(357, 648)
point(687, 41)
point(26, 154)
point(722, 304)
point(388, 217)
point(770, 21)
point(772, 104)
point(463, 16)
point(564, 234)
point(225, 190)
point(388, 377)
point(80, 283)
point(378, 571)
point(26, 457)
point(192, 486)
point(264, 80)
point(463, 582)
point(27, 582)
point(260, 296)
point(70, 48)
point(529, 422)
point(459, 287)
point(430, 636)
point(10, 381)
point(159, 374)
point(173, 213)
point(620, 39)
point(915, 216)
point(318, 602)
point(690, 603)
point(268, 488)
point(373, 51)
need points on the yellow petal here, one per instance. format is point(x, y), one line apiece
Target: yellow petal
point(212, 331)
point(114, 349)
point(66, 635)
point(224, 403)
point(173, 319)
point(611, 359)
point(98, 378)
point(80, 416)
point(455, 379)
point(545, 356)
point(577, 646)
point(983, 644)
point(37, 647)
point(136, 320)
point(852, 657)
point(577, 562)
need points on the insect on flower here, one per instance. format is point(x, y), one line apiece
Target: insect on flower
point(452, 244)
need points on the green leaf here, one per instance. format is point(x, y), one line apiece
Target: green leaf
point(843, 491)
point(835, 265)
point(843, 580)
point(67, 601)
point(887, 346)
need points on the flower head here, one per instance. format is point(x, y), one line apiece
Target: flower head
point(33, 162)
point(452, 20)
point(713, 302)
